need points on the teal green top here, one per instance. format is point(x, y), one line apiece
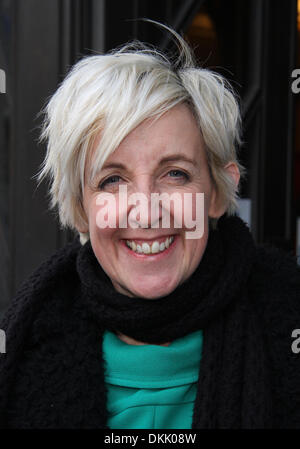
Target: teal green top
point(151, 386)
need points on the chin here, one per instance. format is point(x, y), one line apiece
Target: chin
point(153, 290)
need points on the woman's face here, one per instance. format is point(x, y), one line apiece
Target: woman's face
point(163, 156)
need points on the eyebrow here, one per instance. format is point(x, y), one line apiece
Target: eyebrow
point(113, 165)
point(170, 158)
point(177, 157)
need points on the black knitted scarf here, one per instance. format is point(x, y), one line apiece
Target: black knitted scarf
point(62, 368)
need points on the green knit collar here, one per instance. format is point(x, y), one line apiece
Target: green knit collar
point(152, 366)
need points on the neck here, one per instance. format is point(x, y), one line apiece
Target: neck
point(132, 341)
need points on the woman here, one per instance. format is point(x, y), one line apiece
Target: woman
point(159, 317)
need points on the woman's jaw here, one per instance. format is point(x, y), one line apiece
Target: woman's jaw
point(150, 276)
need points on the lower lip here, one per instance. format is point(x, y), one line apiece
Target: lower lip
point(151, 257)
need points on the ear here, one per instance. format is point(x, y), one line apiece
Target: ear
point(216, 208)
point(233, 171)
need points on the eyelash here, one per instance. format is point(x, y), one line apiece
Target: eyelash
point(106, 181)
point(185, 175)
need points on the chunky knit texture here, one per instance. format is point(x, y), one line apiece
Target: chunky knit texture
point(245, 299)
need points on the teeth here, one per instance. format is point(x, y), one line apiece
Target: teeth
point(155, 247)
point(145, 248)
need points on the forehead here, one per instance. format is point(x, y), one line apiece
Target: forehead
point(175, 132)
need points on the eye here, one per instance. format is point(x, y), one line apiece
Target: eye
point(178, 174)
point(108, 181)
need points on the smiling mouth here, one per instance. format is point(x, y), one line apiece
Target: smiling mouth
point(147, 248)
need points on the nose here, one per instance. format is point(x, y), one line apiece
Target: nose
point(142, 210)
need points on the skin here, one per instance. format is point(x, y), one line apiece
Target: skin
point(174, 134)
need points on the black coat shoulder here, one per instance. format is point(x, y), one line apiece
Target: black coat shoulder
point(35, 318)
point(275, 285)
point(275, 296)
point(46, 293)
point(58, 269)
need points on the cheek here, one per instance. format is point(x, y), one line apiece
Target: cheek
point(103, 212)
point(102, 241)
point(193, 251)
point(102, 218)
point(190, 211)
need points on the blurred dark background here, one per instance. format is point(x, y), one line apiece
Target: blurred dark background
point(253, 43)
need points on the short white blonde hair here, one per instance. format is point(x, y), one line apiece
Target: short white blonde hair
point(115, 92)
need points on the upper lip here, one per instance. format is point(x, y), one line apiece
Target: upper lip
point(149, 238)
